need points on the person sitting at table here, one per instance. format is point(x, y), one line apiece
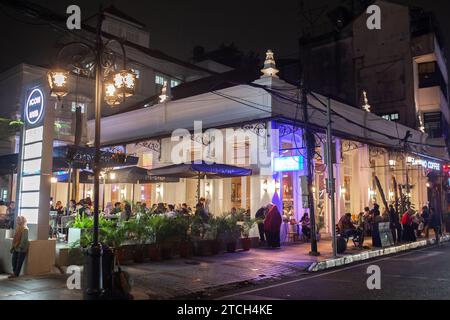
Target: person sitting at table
point(11, 214)
point(72, 208)
point(3, 215)
point(306, 226)
point(171, 212)
point(346, 226)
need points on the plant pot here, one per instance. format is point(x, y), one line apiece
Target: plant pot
point(138, 254)
point(202, 248)
point(153, 252)
point(231, 247)
point(166, 251)
point(120, 255)
point(246, 244)
point(216, 246)
point(185, 249)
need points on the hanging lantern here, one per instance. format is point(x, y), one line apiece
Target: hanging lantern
point(125, 83)
point(57, 80)
point(111, 94)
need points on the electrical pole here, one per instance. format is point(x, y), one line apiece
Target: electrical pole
point(310, 152)
point(330, 180)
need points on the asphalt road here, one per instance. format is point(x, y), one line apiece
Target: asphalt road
point(419, 274)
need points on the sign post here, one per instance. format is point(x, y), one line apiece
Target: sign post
point(34, 176)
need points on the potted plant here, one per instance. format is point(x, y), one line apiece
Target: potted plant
point(182, 229)
point(246, 227)
point(138, 232)
point(202, 246)
point(319, 226)
point(113, 235)
point(165, 234)
point(77, 228)
point(230, 231)
point(153, 251)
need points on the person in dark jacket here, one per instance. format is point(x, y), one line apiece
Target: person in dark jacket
point(260, 216)
point(394, 223)
point(435, 224)
point(376, 214)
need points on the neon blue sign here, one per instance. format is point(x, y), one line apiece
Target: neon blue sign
point(285, 164)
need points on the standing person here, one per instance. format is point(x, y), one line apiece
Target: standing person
point(435, 224)
point(200, 212)
point(376, 240)
point(272, 225)
point(367, 221)
point(19, 246)
point(425, 216)
point(407, 223)
point(394, 222)
point(260, 216)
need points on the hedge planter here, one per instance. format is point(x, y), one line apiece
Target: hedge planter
point(121, 255)
point(185, 249)
point(202, 248)
point(246, 244)
point(138, 254)
point(167, 251)
point(154, 254)
point(231, 247)
point(216, 246)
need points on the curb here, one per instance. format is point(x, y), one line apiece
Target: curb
point(334, 263)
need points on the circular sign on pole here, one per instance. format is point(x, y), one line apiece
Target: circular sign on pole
point(34, 108)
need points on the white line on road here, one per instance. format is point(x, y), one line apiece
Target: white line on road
point(318, 275)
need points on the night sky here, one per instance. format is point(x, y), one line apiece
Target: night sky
point(177, 26)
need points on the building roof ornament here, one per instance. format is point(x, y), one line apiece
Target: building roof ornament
point(270, 69)
point(366, 106)
point(164, 97)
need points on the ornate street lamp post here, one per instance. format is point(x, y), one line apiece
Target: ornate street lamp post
point(117, 86)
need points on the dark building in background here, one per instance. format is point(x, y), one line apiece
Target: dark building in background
point(401, 67)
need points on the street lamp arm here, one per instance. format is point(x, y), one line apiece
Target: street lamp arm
point(122, 47)
point(74, 43)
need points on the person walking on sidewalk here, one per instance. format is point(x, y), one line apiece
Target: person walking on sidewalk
point(19, 246)
point(260, 216)
point(435, 224)
point(272, 225)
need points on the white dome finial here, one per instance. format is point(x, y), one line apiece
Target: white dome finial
point(270, 69)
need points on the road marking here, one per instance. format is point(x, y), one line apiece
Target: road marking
point(318, 275)
point(420, 257)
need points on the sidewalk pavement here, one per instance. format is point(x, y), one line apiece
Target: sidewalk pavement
point(200, 276)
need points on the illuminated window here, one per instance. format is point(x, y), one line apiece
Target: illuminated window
point(391, 116)
point(81, 105)
point(137, 73)
point(159, 80)
point(174, 83)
